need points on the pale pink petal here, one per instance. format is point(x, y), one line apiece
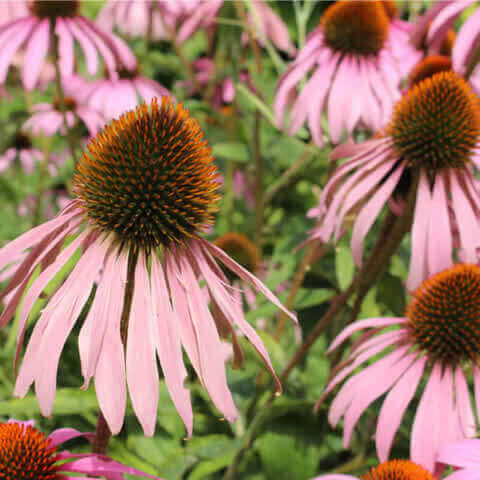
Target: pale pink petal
point(245, 275)
point(35, 54)
point(373, 386)
point(462, 454)
point(465, 43)
point(112, 389)
point(439, 240)
point(463, 404)
point(65, 47)
point(88, 47)
point(476, 377)
point(169, 350)
point(142, 373)
point(427, 423)
point(338, 101)
point(64, 434)
point(418, 266)
point(370, 212)
point(394, 407)
point(361, 324)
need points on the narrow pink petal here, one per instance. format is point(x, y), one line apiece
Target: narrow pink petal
point(354, 387)
point(417, 271)
point(373, 387)
point(142, 373)
point(68, 303)
point(338, 100)
point(36, 53)
point(226, 303)
point(439, 240)
point(169, 349)
point(426, 425)
point(65, 48)
point(88, 47)
point(361, 324)
point(394, 407)
point(370, 212)
point(245, 275)
point(13, 43)
point(463, 405)
point(423, 22)
point(476, 378)
point(64, 434)
point(211, 361)
point(467, 38)
point(112, 389)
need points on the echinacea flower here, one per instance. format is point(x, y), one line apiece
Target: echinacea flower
point(27, 453)
point(260, 17)
point(34, 32)
point(437, 339)
point(357, 42)
point(146, 187)
point(21, 149)
point(114, 96)
point(463, 456)
point(392, 470)
point(434, 134)
point(48, 118)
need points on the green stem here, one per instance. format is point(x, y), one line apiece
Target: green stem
point(102, 431)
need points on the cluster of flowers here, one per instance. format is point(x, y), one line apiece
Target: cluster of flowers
point(146, 189)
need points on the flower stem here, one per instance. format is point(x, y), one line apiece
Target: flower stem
point(61, 95)
point(102, 431)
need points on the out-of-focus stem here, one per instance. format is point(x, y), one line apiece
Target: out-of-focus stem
point(102, 431)
point(60, 94)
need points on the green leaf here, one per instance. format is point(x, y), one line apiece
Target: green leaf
point(344, 266)
point(237, 152)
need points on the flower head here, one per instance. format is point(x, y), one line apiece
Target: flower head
point(361, 40)
point(392, 470)
point(34, 32)
point(21, 149)
point(28, 454)
point(438, 337)
point(434, 134)
point(147, 187)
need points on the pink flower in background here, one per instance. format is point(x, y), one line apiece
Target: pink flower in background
point(55, 199)
point(48, 119)
point(438, 338)
point(135, 18)
point(145, 184)
point(28, 453)
point(33, 33)
point(427, 137)
point(358, 44)
point(463, 456)
point(392, 470)
point(435, 24)
point(21, 149)
point(114, 96)
point(264, 21)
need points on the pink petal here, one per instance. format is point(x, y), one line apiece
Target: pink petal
point(62, 435)
point(65, 47)
point(88, 47)
point(35, 54)
point(169, 349)
point(142, 373)
point(394, 407)
point(463, 405)
point(466, 42)
point(462, 454)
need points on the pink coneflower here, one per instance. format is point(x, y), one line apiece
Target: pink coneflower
point(48, 118)
point(135, 18)
point(438, 338)
point(114, 96)
point(463, 456)
point(434, 27)
point(26, 453)
point(434, 134)
point(261, 17)
point(392, 470)
point(34, 33)
point(357, 42)
point(21, 149)
point(146, 187)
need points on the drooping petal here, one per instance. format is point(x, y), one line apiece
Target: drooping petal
point(35, 53)
point(463, 405)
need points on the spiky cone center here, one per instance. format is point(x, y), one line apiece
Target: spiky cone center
point(53, 9)
point(149, 177)
point(436, 124)
point(240, 248)
point(356, 27)
point(444, 314)
point(398, 470)
point(428, 67)
point(26, 454)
